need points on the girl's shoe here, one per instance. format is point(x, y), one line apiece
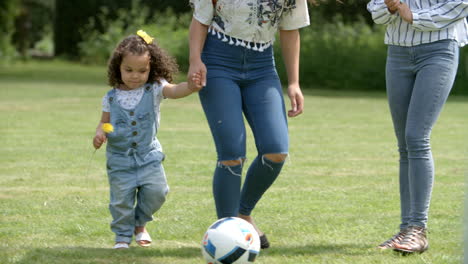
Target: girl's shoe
point(415, 241)
point(143, 239)
point(393, 240)
point(121, 245)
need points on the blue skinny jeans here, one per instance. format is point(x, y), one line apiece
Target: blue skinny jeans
point(242, 83)
point(419, 80)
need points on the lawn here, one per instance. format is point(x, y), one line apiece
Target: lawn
point(336, 199)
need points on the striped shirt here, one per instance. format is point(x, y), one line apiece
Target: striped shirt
point(433, 20)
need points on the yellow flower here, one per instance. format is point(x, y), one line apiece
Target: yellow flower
point(145, 36)
point(107, 127)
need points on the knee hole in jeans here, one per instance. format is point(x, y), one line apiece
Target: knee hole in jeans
point(276, 157)
point(232, 163)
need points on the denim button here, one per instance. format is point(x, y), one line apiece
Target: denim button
point(135, 133)
point(134, 144)
point(133, 123)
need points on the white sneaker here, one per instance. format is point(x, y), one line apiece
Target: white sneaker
point(121, 245)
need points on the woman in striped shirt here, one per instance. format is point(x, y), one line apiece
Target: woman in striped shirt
point(423, 38)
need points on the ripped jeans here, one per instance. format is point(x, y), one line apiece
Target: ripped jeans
point(242, 83)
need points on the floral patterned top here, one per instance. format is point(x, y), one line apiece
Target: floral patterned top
point(254, 21)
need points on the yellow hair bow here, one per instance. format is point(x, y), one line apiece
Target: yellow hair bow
point(147, 38)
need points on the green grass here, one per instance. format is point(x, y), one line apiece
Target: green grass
point(336, 199)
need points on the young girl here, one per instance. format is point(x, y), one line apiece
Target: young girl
point(140, 73)
point(423, 39)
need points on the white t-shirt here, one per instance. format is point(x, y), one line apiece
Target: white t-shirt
point(129, 99)
point(252, 20)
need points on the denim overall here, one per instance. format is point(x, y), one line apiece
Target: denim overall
point(134, 166)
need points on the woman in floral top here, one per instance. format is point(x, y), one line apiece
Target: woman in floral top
point(231, 46)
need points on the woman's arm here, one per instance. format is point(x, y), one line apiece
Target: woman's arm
point(197, 36)
point(290, 47)
point(383, 11)
point(439, 16)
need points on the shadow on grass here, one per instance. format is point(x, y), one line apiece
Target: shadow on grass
point(318, 249)
point(106, 255)
point(164, 255)
point(343, 251)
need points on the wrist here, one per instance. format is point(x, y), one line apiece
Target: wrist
point(194, 58)
point(99, 131)
point(293, 85)
point(191, 89)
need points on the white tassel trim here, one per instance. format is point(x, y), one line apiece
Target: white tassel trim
point(247, 44)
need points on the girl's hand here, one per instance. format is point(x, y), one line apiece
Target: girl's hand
point(392, 5)
point(405, 13)
point(297, 100)
point(194, 82)
point(99, 138)
point(197, 67)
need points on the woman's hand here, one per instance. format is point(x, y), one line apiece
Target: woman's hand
point(392, 5)
point(297, 100)
point(197, 68)
point(405, 13)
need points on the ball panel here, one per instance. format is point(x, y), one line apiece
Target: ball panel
point(220, 222)
point(210, 248)
point(252, 255)
point(232, 256)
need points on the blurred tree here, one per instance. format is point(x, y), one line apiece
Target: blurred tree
point(8, 12)
point(33, 17)
point(68, 21)
point(347, 10)
point(71, 16)
point(160, 5)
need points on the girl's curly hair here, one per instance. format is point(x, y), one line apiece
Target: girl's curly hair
point(162, 65)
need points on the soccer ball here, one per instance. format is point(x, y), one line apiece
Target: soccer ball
point(230, 240)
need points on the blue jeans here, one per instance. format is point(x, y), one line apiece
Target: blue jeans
point(419, 80)
point(138, 189)
point(243, 82)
